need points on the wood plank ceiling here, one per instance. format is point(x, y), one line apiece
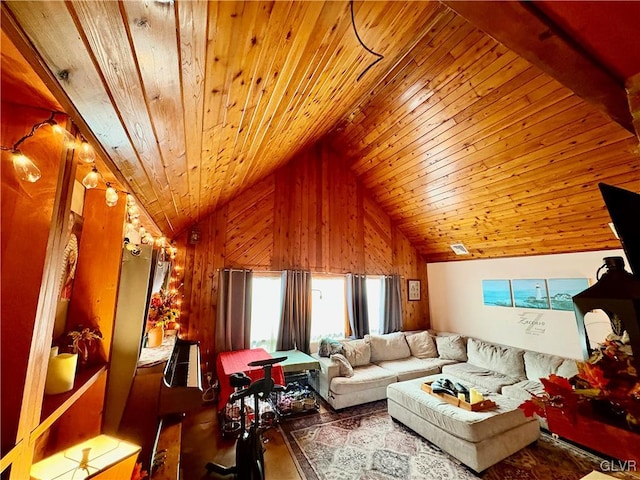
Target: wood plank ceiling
point(457, 137)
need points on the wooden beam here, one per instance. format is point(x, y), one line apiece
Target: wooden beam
point(526, 31)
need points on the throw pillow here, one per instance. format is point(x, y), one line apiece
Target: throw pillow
point(357, 352)
point(540, 365)
point(346, 370)
point(422, 345)
point(451, 347)
point(497, 358)
point(390, 346)
point(328, 347)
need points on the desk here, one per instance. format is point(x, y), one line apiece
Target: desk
point(236, 361)
point(297, 361)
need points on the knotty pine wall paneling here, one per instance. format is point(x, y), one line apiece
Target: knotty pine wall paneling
point(310, 214)
point(27, 210)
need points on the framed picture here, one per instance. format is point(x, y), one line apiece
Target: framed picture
point(413, 290)
point(562, 290)
point(530, 293)
point(497, 293)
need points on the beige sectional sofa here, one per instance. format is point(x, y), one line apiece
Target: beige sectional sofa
point(380, 360)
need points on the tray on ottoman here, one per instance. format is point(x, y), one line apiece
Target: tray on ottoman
point(472, 407)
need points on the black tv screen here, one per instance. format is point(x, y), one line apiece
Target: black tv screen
point(624, 210)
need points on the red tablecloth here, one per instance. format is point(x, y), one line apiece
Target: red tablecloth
point(236, 361)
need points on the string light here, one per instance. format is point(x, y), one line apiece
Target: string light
point(91, 179)
point(111, 196)
point(28, 171)
point(25, 168)
point(86, 153)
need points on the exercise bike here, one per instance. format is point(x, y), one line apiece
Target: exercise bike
point(249, 452)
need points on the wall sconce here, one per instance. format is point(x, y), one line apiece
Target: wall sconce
point(617, 293)
point(194, 236)
point(100, 457)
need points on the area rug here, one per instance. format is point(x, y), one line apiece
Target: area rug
point(364, 443)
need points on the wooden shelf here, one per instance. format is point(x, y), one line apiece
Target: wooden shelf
point(53, 406)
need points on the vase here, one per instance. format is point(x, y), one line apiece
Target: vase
point(154, 337)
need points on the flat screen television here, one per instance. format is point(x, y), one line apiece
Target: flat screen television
point(624, 210)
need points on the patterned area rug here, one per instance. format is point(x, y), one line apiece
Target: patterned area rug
point(364, 443)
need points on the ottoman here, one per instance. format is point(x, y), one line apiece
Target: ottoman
point(477, 439)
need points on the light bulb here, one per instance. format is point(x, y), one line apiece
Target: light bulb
point(86, 153)
point(90, 180)
point(25, 168)
point(133, 210)
point(130, 200)
point(65, 135)
point(111, 197)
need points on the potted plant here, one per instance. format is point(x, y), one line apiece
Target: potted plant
point(85, 342)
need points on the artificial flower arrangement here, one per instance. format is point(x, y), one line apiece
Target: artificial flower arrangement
point(163, 310)
point(607, 384)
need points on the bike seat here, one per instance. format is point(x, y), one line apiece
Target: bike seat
point(239, 380)
point(266, 362)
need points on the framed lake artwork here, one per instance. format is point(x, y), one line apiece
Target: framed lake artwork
point(562, 290)
point(530, 293)
point(497, 293)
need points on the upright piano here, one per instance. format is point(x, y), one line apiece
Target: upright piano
point(160, 396)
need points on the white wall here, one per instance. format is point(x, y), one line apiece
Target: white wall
point(456, 302)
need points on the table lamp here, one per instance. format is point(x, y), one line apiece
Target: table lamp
point(102, 457)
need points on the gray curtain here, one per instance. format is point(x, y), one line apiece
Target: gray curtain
point(295, 319)
point(391, 313)
point(233, 322)
point(357, 305)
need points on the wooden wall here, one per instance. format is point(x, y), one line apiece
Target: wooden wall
point(27, 210)
point(310, 214)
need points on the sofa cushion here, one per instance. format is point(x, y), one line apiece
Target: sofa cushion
point(422, 345)
point(568, 368)
point(523, 390)
point(451, 347)
point(497, 358)
point(346, 370)
point(541, 365)
point(410, 367)
point(390, 346)
point(328, 347)
point(364, 378)
point(478, 376)
point(357, 352)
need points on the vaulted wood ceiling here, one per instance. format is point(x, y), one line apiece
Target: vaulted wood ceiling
point(459, 136)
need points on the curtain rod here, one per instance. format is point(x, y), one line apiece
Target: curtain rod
point(249, 267)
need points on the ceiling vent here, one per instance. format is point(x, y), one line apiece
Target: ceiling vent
point(459, 249)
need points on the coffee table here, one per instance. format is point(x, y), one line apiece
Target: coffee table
point(477, 439)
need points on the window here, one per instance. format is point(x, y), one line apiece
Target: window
point(374, 303)
point(265, 310)
point(328, 307)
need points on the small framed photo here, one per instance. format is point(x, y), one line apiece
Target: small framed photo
point(413, 290)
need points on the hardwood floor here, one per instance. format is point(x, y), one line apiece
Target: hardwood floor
point(202, 443)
